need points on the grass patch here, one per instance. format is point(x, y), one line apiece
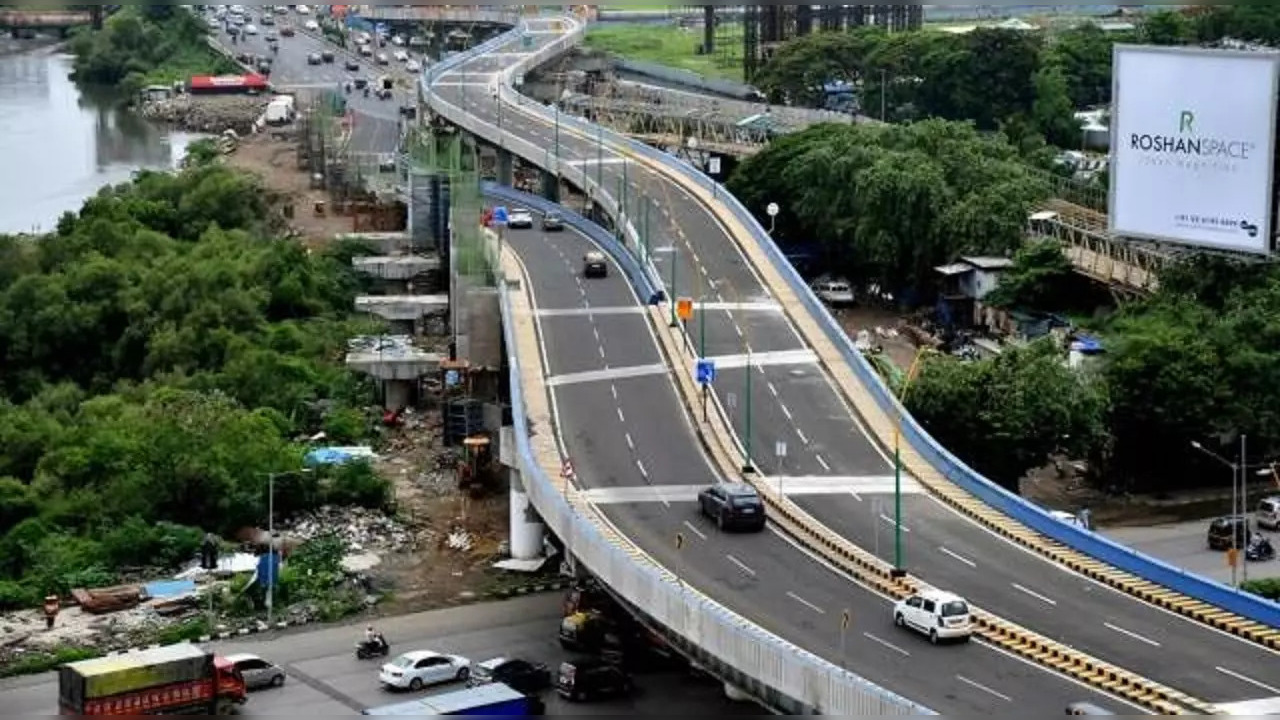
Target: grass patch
point(666, 45)
point(38, 662)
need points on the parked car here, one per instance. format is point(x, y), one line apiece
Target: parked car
point(1268, 516)
point(940, 615)
point(594, 265)
point(413, 66)
point(552, 222)
point(327, 56)
point(519, 218)
point(733, 505)
point(591, 679)
point(1221, 529)
point(523, 675)
point(352, 65)
point(257, 673)
point(313, 59)
point(417, 669)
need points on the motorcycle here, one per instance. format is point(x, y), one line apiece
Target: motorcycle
point(1259, 549)
point(367, 649)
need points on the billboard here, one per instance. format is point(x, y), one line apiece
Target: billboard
point(1193, 146)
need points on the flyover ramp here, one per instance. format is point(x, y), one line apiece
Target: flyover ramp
point(817, 417)
point(629, 434)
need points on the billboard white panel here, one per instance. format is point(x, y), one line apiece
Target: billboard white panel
point(1193, 146)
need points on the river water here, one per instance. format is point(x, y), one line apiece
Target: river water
point(59, 145)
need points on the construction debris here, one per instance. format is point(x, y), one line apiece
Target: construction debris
point(361, 530)
point(459, 540)
point(208, 114)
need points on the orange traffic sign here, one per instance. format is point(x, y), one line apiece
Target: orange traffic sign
point(684, 308)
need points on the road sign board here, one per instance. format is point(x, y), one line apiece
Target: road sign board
point(684, 308)
point(500, 215)
point(269, 568)
point(780, 448)
point(772, 210)
point(706, 371)
point(713, 166)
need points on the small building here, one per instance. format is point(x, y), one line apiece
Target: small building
point(964, 284)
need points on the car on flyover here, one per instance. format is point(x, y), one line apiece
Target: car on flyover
point(733, 505)
point(415, 670)
point(519, 218)
point(594, 265)
point(552, 222)
point(940, 615)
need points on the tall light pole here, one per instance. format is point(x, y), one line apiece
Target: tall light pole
point(1238, 476)
point(899, 563)
point(272, 558)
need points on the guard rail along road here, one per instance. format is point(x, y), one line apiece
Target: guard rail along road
point(740, 644)
point(1229, 609)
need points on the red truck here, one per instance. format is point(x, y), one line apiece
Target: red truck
point(178, 679)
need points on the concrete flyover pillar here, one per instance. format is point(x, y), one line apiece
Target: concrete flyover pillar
point(527, 530)
point(506, 168)
point(550, 186)
point(397, 394)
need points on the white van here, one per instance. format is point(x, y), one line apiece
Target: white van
point(834, 292)
point(1268, 516)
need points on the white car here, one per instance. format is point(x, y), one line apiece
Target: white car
point(250, 29)
point(302, 9)
point(412, 66)
point(519, 218)
point(311, 25)
point(940, 615)
point(415, 670)
point(400, 56)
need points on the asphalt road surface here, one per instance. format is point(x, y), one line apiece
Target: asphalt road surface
point(633, 447)
point(326, 679)
point(793, 402)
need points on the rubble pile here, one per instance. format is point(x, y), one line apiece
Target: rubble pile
point(208, 114)
point(360, 529)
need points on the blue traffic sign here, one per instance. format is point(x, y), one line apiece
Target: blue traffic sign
point(706, 372)
point(500, 215)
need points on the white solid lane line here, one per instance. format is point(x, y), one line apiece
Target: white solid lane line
point(961, 558)
point(1251, 681)
point(983, 688)
point(822, 462)
point(886, 643)
point(1034, 594)
point(641, 468)
point(806, 603)
point(1131, 634)
point(694, 529)
point(891, 523)
point(741, 565)
point(800, 434)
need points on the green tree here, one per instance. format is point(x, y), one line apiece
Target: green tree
point(1052, 110)
point(1040, 278)
point(1006, 415)
point(1165, 27)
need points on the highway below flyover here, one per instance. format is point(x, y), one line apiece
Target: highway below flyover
point(375, 123)
point(325, 679)
point(835, 469)
point(621, 421)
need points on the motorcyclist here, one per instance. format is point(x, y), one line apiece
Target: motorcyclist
point(370, 636)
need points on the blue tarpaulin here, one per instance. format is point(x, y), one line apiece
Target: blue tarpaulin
point(169, 588)
point(337, 455)
point(1086, 344)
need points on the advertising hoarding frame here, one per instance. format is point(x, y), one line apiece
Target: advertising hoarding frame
point(1265, 245)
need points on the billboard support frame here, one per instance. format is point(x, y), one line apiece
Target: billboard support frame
point(1270, 217)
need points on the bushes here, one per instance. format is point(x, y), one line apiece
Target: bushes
point(1268, 588)
point(356, 483)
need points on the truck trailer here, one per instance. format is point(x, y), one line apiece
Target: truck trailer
point(489, 699)
point(178, 679)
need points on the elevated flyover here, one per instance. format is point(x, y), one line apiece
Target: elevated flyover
point(693, 127)
point(967, 536)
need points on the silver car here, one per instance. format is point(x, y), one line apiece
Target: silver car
point(258, 673)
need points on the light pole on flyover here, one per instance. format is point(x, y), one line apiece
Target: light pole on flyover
point(899, 563)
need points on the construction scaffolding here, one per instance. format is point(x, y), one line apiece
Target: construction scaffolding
point(754, 32)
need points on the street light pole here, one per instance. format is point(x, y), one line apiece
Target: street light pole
point(271, 545)
point(1238, 474)
point(899, 562)
point(748, 465)
point(675, 256)
point(1244, 505)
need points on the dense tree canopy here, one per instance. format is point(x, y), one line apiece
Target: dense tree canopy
point(886, 204)
point(145, 44)
point(161, 350)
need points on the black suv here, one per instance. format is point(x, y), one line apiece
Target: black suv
point(733, 505)
point(591, 679)
point(1221, 528)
